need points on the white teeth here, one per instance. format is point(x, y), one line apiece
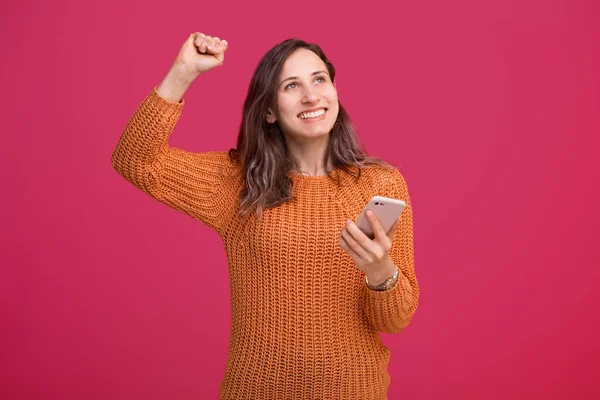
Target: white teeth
point(313, 114)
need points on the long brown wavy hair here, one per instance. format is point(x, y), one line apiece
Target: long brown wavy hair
point(261, 148)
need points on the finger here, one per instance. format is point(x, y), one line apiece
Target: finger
point(207, 40)
point(213, 47)
point(393, 229)
point(198, 38)
point(375, 225)
point(358, 235)
point(354, 245)
point(224, 45)
point(344, 245)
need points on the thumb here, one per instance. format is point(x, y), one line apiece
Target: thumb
point(190, 41)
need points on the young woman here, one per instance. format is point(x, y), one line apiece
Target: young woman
point(310, 292)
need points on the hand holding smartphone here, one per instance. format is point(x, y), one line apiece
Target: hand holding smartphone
point(387, 211)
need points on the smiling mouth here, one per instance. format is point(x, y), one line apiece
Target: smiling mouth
point(313, 114)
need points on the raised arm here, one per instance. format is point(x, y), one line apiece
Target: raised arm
point(189, 182)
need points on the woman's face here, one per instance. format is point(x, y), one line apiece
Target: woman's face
point(307, 101)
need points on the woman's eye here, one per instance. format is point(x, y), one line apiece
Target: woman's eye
point(293, 85)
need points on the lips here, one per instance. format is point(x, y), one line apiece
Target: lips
point(312, 113)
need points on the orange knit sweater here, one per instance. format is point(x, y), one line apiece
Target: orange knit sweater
point(304, 325)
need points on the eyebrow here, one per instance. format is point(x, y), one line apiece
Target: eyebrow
point(295, 77)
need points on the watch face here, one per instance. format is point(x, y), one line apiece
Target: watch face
point(388, 284)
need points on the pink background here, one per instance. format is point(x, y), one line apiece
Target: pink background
point(490, 109)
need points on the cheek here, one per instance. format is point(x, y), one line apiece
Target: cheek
point(286, 107)
point(334, 104)
point(332, 93)
point(332, 99)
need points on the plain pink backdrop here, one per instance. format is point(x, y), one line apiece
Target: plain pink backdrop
point(489, 107)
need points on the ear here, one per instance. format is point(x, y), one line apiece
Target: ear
point(271, 117)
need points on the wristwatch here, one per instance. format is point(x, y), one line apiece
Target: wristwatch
point(386, 285)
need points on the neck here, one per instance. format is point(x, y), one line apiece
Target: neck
point(308, 157)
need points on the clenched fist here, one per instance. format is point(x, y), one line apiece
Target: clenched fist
point(201, 53)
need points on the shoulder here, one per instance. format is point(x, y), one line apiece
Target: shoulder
point(384, 178)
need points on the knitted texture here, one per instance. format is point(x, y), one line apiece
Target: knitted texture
point(304, 325)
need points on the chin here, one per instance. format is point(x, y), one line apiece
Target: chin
point(316, 134)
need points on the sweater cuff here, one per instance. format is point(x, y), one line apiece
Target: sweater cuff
point(163, 105)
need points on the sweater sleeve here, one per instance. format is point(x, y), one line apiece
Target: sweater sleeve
point(391, 311)
point(192, 183)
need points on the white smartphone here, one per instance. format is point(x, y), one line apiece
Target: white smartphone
point(387, 211)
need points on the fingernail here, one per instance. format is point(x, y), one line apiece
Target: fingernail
point(369, 213)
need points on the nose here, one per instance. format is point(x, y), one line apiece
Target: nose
point(310, 96)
